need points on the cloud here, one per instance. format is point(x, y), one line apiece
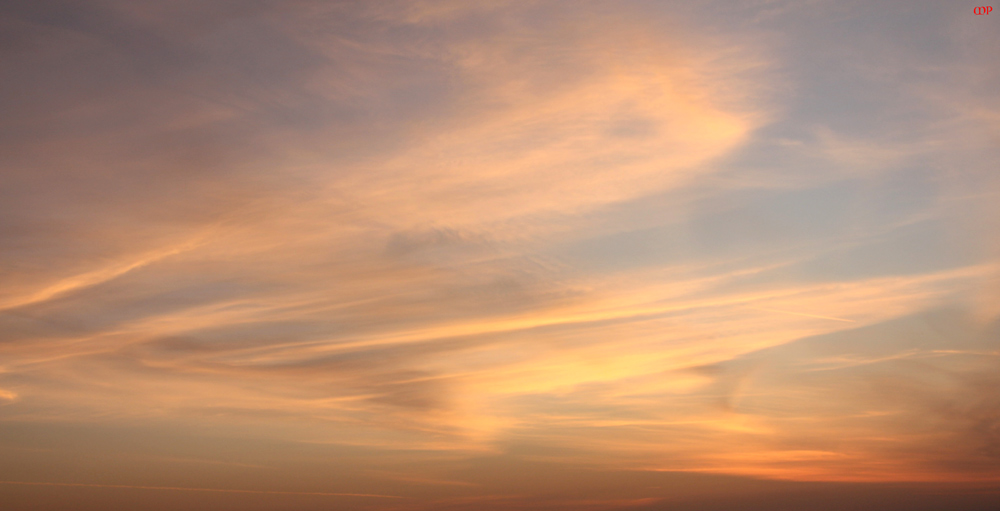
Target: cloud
point(641, 237)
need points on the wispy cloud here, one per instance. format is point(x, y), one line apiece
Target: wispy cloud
point(644, 237)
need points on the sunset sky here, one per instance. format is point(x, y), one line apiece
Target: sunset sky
point(408, 255)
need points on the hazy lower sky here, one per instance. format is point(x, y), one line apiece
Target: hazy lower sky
point(489, 255)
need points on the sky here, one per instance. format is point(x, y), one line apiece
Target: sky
point(405, 255)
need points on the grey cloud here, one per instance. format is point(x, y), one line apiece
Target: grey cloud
point(406, 243)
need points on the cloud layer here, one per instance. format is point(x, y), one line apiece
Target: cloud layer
point(752, 239)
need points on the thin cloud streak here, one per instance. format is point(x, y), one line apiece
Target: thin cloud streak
point(220, 490)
